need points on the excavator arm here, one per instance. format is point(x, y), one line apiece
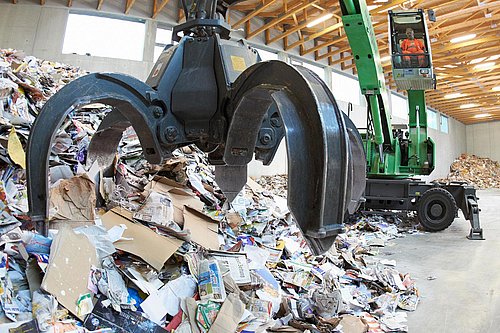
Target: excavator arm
point(391, 153)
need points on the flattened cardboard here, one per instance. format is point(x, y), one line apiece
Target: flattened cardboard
point(179, 195)
point(66, 277)
point(146, 244)
point(180, 199)
point(203, 229)
point(353, 324)
point(73, 199)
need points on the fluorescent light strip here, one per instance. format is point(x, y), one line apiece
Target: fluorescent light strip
point(454, 95)
point(476, 61)
point(468, 106)
point(462, 38)
point(485, 65)
point(482, 115)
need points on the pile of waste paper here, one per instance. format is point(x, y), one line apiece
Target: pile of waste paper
point(481, 172)
point(277, 184)
point(164, 251)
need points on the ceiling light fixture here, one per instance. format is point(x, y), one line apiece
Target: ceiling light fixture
point(497, 88)
point(485, 65)
point(495, 57)
point(476, 61)
point(385, 59)
point(482, 115)
point(454, 95)
point(319, 20)
point(468, 106)
point(462, 38)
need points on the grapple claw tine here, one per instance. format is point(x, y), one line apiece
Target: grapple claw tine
point(104, 143)
point(321, 153)
point(126, 95)
point(231, 179)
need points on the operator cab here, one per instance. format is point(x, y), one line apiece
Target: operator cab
point(410, 50)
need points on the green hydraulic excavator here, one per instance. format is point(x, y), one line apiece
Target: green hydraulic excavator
point(396, 154)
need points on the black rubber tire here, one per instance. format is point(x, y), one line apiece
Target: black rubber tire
point(436, 209)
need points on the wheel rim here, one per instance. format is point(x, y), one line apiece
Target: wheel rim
point(436, 210)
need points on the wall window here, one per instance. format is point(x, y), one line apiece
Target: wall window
point(104, 37)
point(266, 55)
point(163, 38)
point(443, 124)
point(345, 88)
point(432, 119)
point(399, 107)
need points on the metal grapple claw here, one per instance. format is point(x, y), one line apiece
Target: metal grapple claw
point(216, 94)
point(129, 97)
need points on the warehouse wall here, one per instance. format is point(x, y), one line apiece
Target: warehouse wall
point(39, 31)
point(448, 147)
point(484, 139)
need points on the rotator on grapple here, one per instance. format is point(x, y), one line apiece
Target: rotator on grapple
point(213, 92)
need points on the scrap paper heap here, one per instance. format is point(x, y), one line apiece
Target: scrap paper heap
point(481, 172)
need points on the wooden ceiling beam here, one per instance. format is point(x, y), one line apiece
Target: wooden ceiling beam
point(256, 11)
point(466, 83)
point(129, 5)
point(459, 113)
point(158, 8)
point(312, 37)
point(458, 110)
point(99, 4)
point(472, 42)
point(297, 25)
point(471, 54)
point(69, 3)
point(467, 91)
point(482, 6)
point(458, 82)
point(461, 24)
point(482, 32)
point(479, 101)
point(441, 101)
point(333, 42)
point(280, 18)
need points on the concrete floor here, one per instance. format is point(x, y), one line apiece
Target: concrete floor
point(465, 296)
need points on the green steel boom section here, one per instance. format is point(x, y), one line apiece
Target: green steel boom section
point(383, 150)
